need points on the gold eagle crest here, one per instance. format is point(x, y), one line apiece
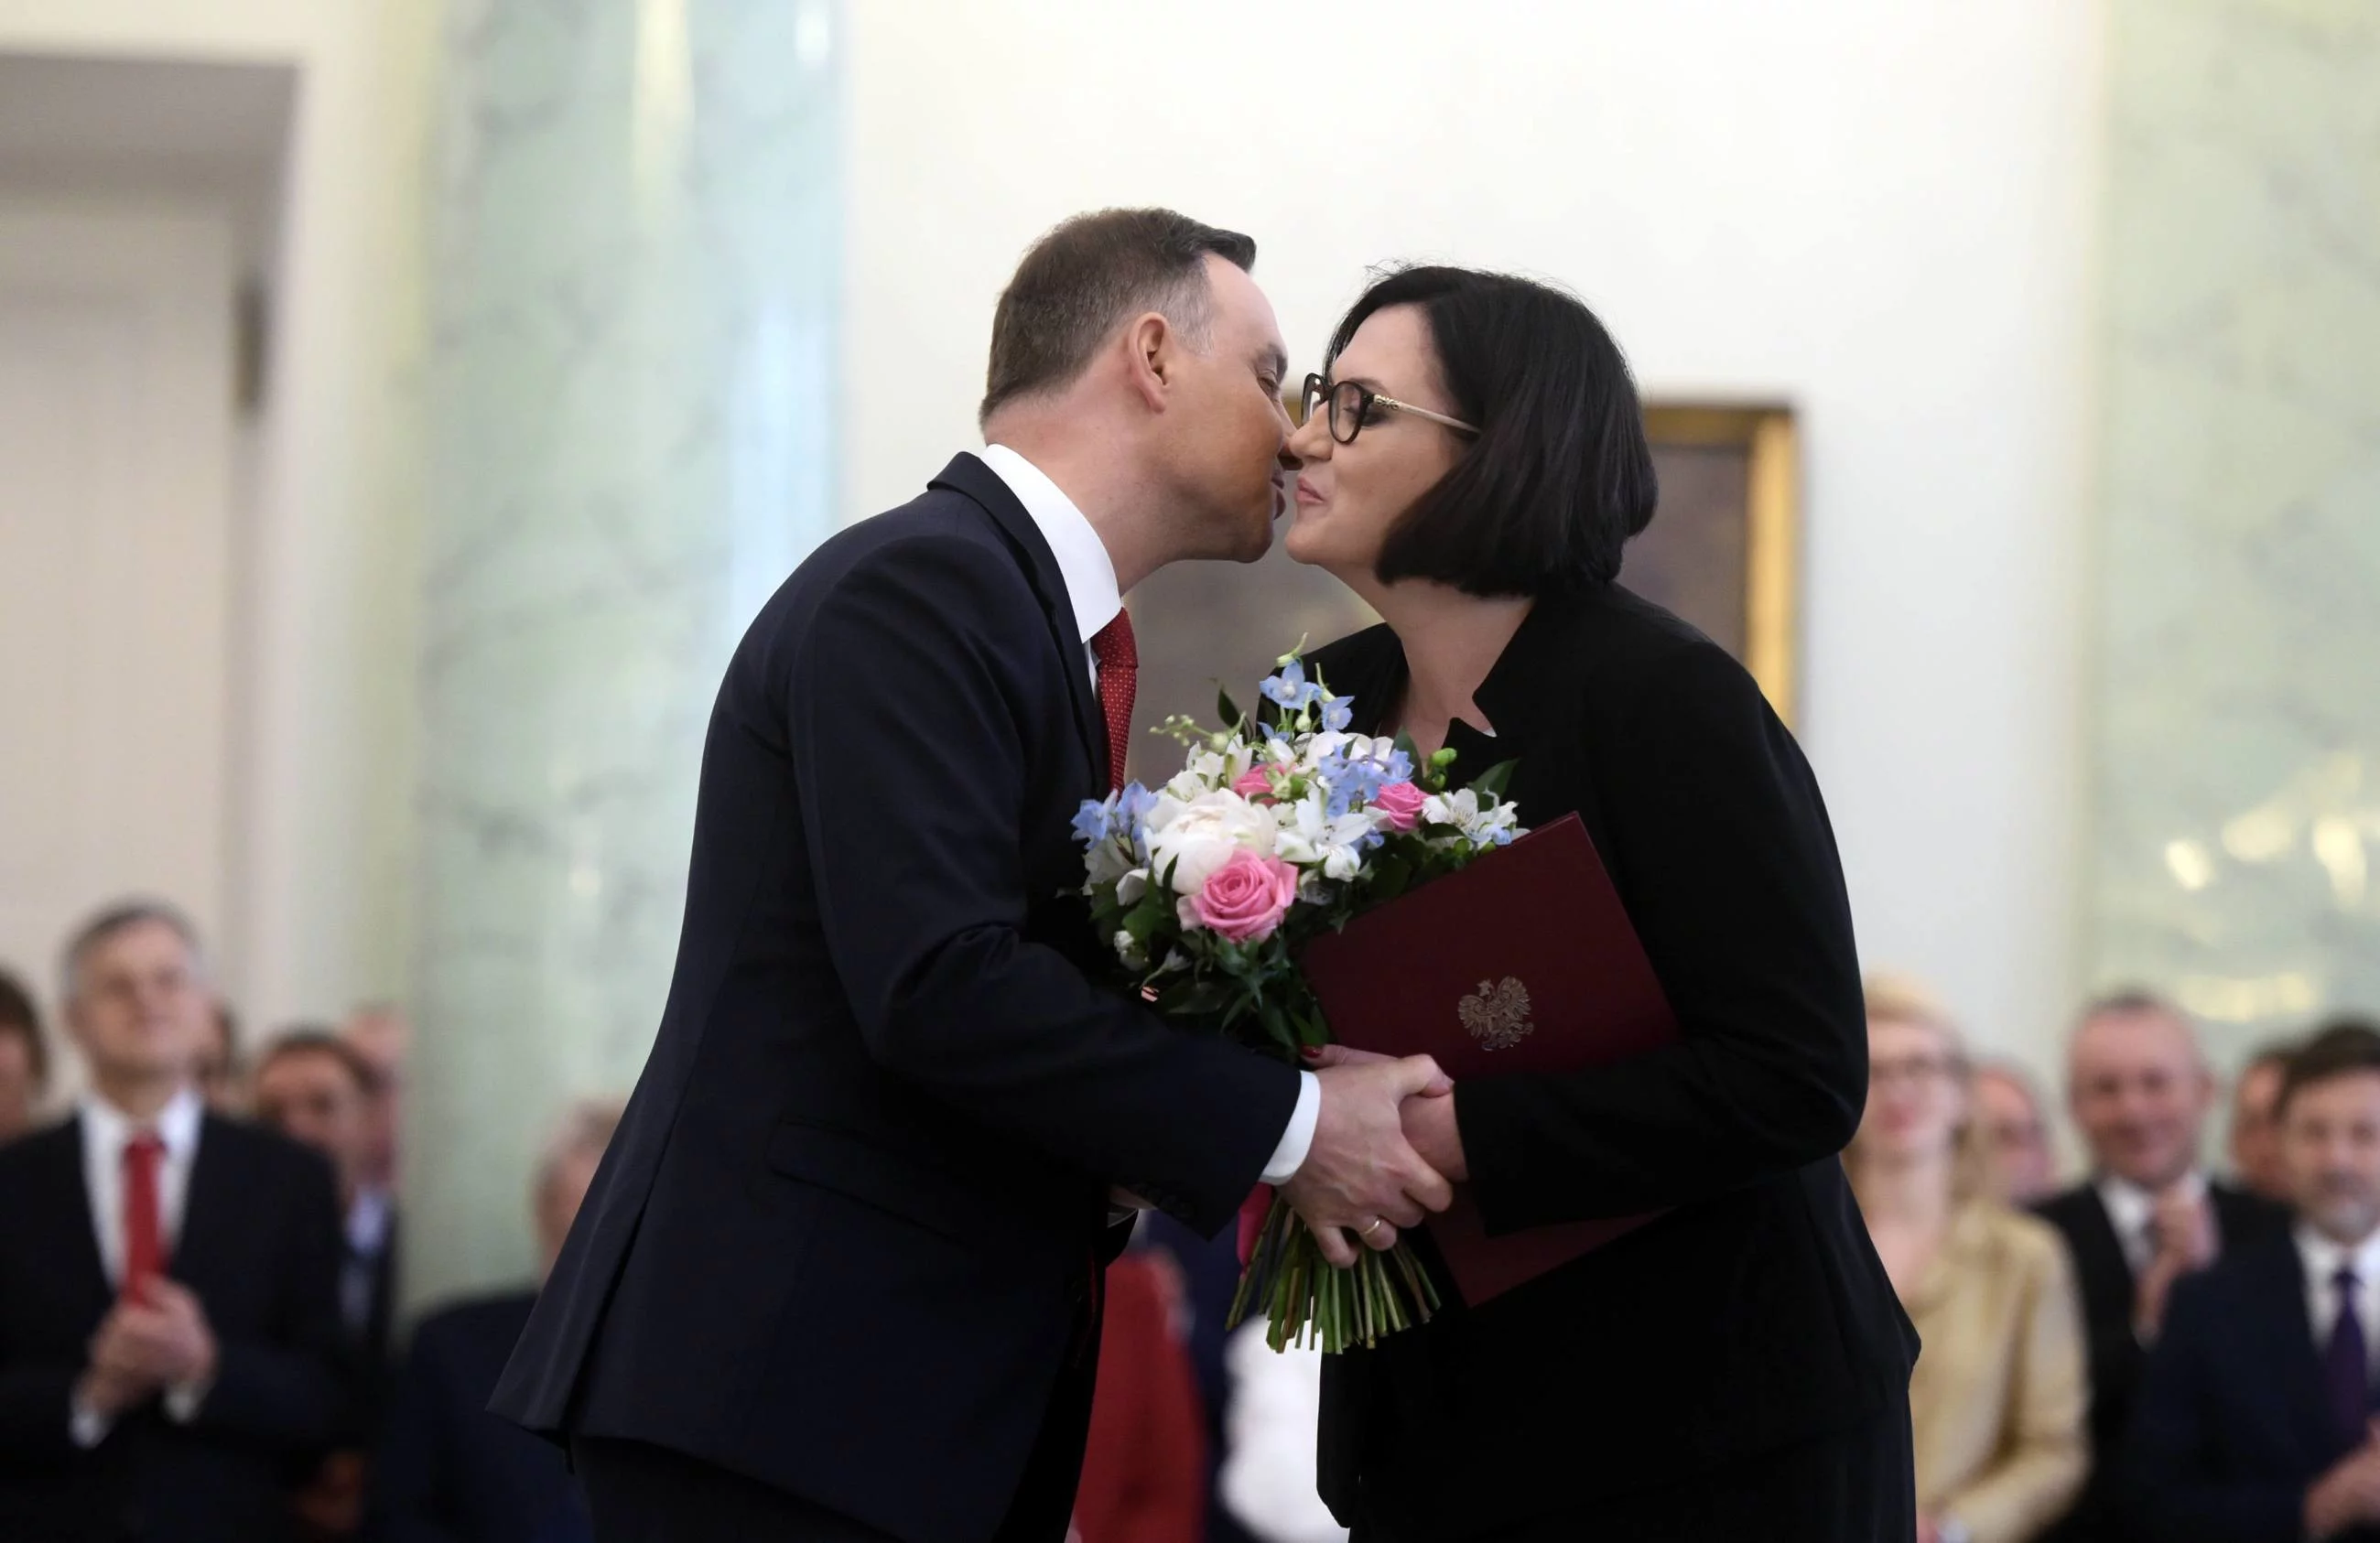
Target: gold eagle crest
point(1497, 1014)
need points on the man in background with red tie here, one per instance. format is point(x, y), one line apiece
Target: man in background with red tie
point(169, 1318)
point(2255, 1421)
point(840, 1275)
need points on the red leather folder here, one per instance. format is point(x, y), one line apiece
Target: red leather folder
point(1523, 964)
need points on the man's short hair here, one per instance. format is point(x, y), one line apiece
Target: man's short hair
point(2133, 1002)
point(2342, 1046)
point(316, 1039)
point(20, 1017)
point(1086, 278)
point(123, 917)
point(585, 1130)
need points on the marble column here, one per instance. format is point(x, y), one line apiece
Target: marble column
point(2237, 728)
point(631, 389)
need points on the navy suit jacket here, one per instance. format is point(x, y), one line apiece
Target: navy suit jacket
point(2104, 1279)
point(854, 1211)
point(450, 1472)
point(2232, 1425)
point(260, 1247)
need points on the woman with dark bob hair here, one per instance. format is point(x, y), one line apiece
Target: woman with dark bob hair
point(1474, 463)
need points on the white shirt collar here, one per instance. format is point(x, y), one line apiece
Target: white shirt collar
point(2130, 1206)
point(107, 1128)
point(1083, 561)
point(2324, 1256)
point(368, 1221)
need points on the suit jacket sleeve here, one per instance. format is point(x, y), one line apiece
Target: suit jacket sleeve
point(294, 1387)
point(1729, 869)
point(36, 1408)
point(2174, 1444)
point(909, 751)
point(2045, 1453)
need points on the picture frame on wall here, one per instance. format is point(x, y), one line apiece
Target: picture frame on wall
point(1723, 551)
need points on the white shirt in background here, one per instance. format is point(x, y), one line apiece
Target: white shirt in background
point(2132, 1207)
point(1268, 1479)
point(2322, 1258)
point(107, 1131)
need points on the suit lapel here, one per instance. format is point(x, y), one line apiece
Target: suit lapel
point(213, 1197)
point(2280, 1285)
point(968, 475)
point(2101, 1252)
point(79, 1254)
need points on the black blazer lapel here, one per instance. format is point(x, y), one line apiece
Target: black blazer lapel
point(74, 1229)
point(969, 475)
point(2277, 1275)
point(2099, 1253)
point(213, 1197)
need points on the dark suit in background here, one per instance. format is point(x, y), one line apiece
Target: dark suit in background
point(258, 1247)
point(2103, 1275)
point(1740, 1367)
point(845, 1243)
point(447, 1470)
point(2231, 1424)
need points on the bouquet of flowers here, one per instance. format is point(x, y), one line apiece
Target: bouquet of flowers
point(1206, 887)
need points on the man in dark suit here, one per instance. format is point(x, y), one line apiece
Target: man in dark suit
point(2255, 1422)
point(312, 1087)
point(448, 1470)
point(839, 1274)
point(2139, 1092)
point(169, 1321)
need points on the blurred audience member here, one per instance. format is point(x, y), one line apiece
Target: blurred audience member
point(1996, 1403)
point(450, 1472)
point(2255, 1420)
point(1268, 1481)
point(169, 1318)
point(2013, 1134)
point(313, 1087)
point(2147, 1216)
point(2256, 1162)
point(24, 1059)
point(1145, 1466)
point(223, 1077)
point(1210, 1278)
point(379, 1034)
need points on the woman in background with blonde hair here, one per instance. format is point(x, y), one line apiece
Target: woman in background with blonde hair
point(1998, 1401)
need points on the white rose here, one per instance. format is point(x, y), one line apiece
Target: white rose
point(1193, 838)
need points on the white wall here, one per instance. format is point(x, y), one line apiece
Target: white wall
point(1880, 211)
point(322, 910)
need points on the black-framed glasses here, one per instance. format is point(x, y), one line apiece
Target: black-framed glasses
point(1353, 403)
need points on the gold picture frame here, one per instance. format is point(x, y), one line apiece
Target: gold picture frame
point(1724, 550)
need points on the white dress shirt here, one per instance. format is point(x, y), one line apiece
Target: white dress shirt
point(368, 1224)
point(107, 1131)
point(2132, 1207)
point(2322, 1259)
point(1090, 578)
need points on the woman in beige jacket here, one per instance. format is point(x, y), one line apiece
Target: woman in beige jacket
point(1998, 1401)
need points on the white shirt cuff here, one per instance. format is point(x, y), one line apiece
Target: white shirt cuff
point(87, 1426)
point(182, 1400)
point(1298, 1139)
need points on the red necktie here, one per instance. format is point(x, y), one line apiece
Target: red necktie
point(144, 1231)
point(1118, 663)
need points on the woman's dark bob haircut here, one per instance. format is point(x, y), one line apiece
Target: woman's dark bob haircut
point(1560, 476)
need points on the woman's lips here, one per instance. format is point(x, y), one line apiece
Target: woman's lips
point(1308, 493)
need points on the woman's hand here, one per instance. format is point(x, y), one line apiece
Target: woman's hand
point(1429, 1120)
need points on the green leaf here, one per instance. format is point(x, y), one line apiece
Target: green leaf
point(1229, 710)
point(1491, 783)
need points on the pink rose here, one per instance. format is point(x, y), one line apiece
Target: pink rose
point(1244, 899)
point(1399, 804)
point(1254, 783)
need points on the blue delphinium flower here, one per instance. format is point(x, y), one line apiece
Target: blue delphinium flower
point(1132, 806)
point(1337, 713)
point(1095, 820)
point(1290, 689)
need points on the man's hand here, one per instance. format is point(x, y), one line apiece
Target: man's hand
point(158, 1339)
point(2349, 1494)
point(105, 1392)
point(1362, 1174)
point(1430, 1126)
point(2183, 1226)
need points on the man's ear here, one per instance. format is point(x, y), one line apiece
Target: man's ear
point(1152, 353)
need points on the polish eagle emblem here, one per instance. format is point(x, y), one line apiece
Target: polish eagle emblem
point(1497, 1014)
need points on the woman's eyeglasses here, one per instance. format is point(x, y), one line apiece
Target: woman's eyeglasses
point(1353, 404)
